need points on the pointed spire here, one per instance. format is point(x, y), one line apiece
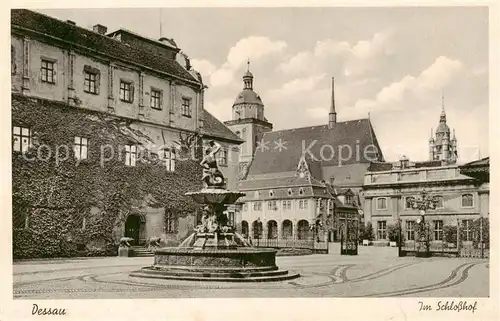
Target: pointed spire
point(431, 139)
point(332, 116)
point(248, 77)
point(442, 118)
point(248, 64)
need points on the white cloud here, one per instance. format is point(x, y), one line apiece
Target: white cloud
point(298, 63)
point(253, 48)
point(356, 58)
point(434, 78)
point(295, 87)
point(220, 108)
point(205, 67)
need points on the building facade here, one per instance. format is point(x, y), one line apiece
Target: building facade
point(294, 178)
point(127, 89)
point(388, 198)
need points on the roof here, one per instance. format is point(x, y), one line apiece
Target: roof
point(283, 149)
point(215, 128)
point(480, 162)
point(346, 175)
point(81, 37)
point(248, 96)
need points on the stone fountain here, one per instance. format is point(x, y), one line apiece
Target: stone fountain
point(214, 251)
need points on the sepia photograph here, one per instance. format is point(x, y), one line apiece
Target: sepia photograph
point(251, 152)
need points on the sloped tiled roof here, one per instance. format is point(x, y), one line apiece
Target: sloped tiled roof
point(215, 128)
point(346, 175)
point(356, 133)
point(81, 37)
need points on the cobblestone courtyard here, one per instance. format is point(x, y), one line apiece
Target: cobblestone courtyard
point(375, 272)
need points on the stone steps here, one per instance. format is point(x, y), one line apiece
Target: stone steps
point(265, 276)
point(141, 251)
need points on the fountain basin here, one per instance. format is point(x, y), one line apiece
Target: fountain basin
point(215, 196)
point(227, 265)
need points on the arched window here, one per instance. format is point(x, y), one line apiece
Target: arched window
point(244, 228)
point(271, 193)
point(302, 229)
point(467, 200)
point(290, 192)
point(409, 202)
point(257, 229)
point(287, 229)
point(272, 229)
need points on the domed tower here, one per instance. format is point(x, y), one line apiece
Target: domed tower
point(248, 121)
point(443, 147)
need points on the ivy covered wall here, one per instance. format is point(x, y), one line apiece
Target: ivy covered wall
point(53, 192)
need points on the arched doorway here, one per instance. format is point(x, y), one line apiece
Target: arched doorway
point(132, 227)
point(272, 229)
point(244, 229)
point(302, 229)
point(287, 229)
point(257, 229)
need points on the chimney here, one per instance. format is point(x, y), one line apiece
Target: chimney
point(100, 29)
point(71, 22)
point(332, 116)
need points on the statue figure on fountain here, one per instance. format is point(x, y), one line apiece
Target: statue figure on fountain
point(212, 176)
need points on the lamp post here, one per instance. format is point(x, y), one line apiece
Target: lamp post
point(423, 203)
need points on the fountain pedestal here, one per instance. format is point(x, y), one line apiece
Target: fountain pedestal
point(214, 252)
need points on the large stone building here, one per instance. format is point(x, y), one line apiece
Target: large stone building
point(390, 188)
point(300, 177)
point(125, 85)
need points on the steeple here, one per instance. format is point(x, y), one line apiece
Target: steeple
point(248, 78)
point(332, 116)
point(442, 118)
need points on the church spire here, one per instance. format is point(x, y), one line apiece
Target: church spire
point(442, 118)
point(248, 78)
point(332, 116)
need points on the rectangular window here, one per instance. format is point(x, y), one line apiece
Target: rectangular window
point(130, 155)
point(168, 156)
point(245, 206)
point(272, 206)
point(467, 200)
point(186, 107)
point(381, 230)
point(81, 147)
point(90, 83)
point(126, 91)
point(467, 228)
point(21, 139)
point(171, 222)
point(223, 157)
point(382, 203)
point(410, 230)
point(48, 71)
point(438, 230)
point(155, 99)
point(409, 201)
point(257, 206)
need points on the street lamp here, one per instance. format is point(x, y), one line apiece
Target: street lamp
point(423, 203)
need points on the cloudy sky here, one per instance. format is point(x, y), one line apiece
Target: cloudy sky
point(391, 63)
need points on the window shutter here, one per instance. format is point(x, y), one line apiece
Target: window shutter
point(55, 72)
point(132, 91)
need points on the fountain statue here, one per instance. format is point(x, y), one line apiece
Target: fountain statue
point(215, 251)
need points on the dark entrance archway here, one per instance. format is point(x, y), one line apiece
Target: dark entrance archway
point(303, 230)
point(132, 228)
point(272, 229)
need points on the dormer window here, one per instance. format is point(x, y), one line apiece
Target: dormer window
point(290, 192)
point(301, 191)
point(271, 193)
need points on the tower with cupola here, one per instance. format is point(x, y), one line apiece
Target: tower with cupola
point(248, 121)
point(443, 146)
